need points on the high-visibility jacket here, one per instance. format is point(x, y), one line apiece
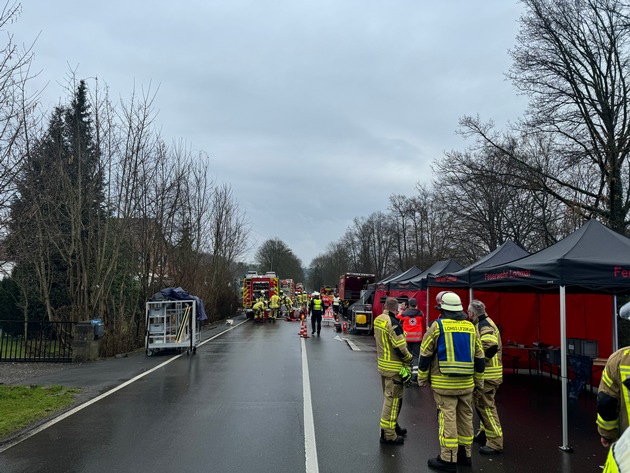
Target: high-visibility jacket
point(391, 345)
point(317, 305)
point(287, 302)
point(274, 301)
point(451, 356)
point(336, 301)
point(619, 455)
point(492, 349)
point(413, 324)
point(258, 306)
point(613, 398)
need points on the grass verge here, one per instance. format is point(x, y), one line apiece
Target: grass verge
point(20, 406)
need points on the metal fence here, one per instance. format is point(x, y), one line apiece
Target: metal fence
point(35, 341)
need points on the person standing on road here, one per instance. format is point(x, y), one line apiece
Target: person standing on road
point(452, 362)
point(613, 397)
point(393, 356)
point(490, 433)
point(274, 306)
point(413, 325)
point(335, 305)
point(317, 309)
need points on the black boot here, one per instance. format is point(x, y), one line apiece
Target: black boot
point(480, 438)
point(462, 459)
point(401, 431)
point(439, 464)
point(397, 441)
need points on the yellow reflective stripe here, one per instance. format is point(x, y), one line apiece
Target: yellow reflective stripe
point(393, 367)
point(606, 378)
point(457, 367)
point(450, 349)
point(490, 337)
point(495, 428)
point(624, 372)
point(399, 343)
point(452, 382)
point(465, 440)
point(493, 373)
point(607, 424)
point(428, 341)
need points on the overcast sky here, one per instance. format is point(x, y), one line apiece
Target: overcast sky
point(314, 111)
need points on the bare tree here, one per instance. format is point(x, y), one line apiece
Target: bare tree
point(571, 59)
point(488, 205)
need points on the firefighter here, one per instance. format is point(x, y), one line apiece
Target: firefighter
point(452, 363)
point(335, 305)
point(259, 309)
point(317, 309)
point(287, 303)
point(393, 359)
point(413, 324)
point(612, 398)
point(490, 434)
point(274, 307)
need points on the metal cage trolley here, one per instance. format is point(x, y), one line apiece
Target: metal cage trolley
point(172, 325)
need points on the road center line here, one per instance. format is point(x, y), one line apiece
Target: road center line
point(310, 446)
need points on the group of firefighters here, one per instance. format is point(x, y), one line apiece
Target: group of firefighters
point(459, 357)
point(283, 305)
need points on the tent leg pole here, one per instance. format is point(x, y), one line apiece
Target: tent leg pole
point(615, 340)
point(563, 371)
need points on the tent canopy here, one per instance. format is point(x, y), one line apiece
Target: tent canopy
point(436, 269)
point(507, 252)
point(594, 258)
point(386, 283)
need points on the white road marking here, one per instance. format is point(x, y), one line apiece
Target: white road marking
point(310, 446)
point(80, 407)
point(353, 346)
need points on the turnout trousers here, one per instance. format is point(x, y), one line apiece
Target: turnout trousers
point(455, 424)
point(316, 321)
point(489, 417)
point(392, 401)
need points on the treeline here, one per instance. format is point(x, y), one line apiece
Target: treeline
point(537, 180)
point(100, 213)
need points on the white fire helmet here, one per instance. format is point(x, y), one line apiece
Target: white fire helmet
point(447, 300)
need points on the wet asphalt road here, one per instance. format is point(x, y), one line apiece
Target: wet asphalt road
point(237, 405)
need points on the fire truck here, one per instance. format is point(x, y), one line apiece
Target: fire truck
point(254, 284)
point(287, 287)
point(351, 285)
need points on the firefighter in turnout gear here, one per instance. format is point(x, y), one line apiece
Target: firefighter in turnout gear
point(259, 309)
point(274, 307)
point(287, 303)
point(613, 404)
point(393, 356)
point(452, 363)
point(260, 306)
point(490, 434)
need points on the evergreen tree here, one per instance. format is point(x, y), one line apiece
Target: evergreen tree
point(56, 215)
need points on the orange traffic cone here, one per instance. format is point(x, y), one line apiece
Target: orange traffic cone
point(303, 330)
